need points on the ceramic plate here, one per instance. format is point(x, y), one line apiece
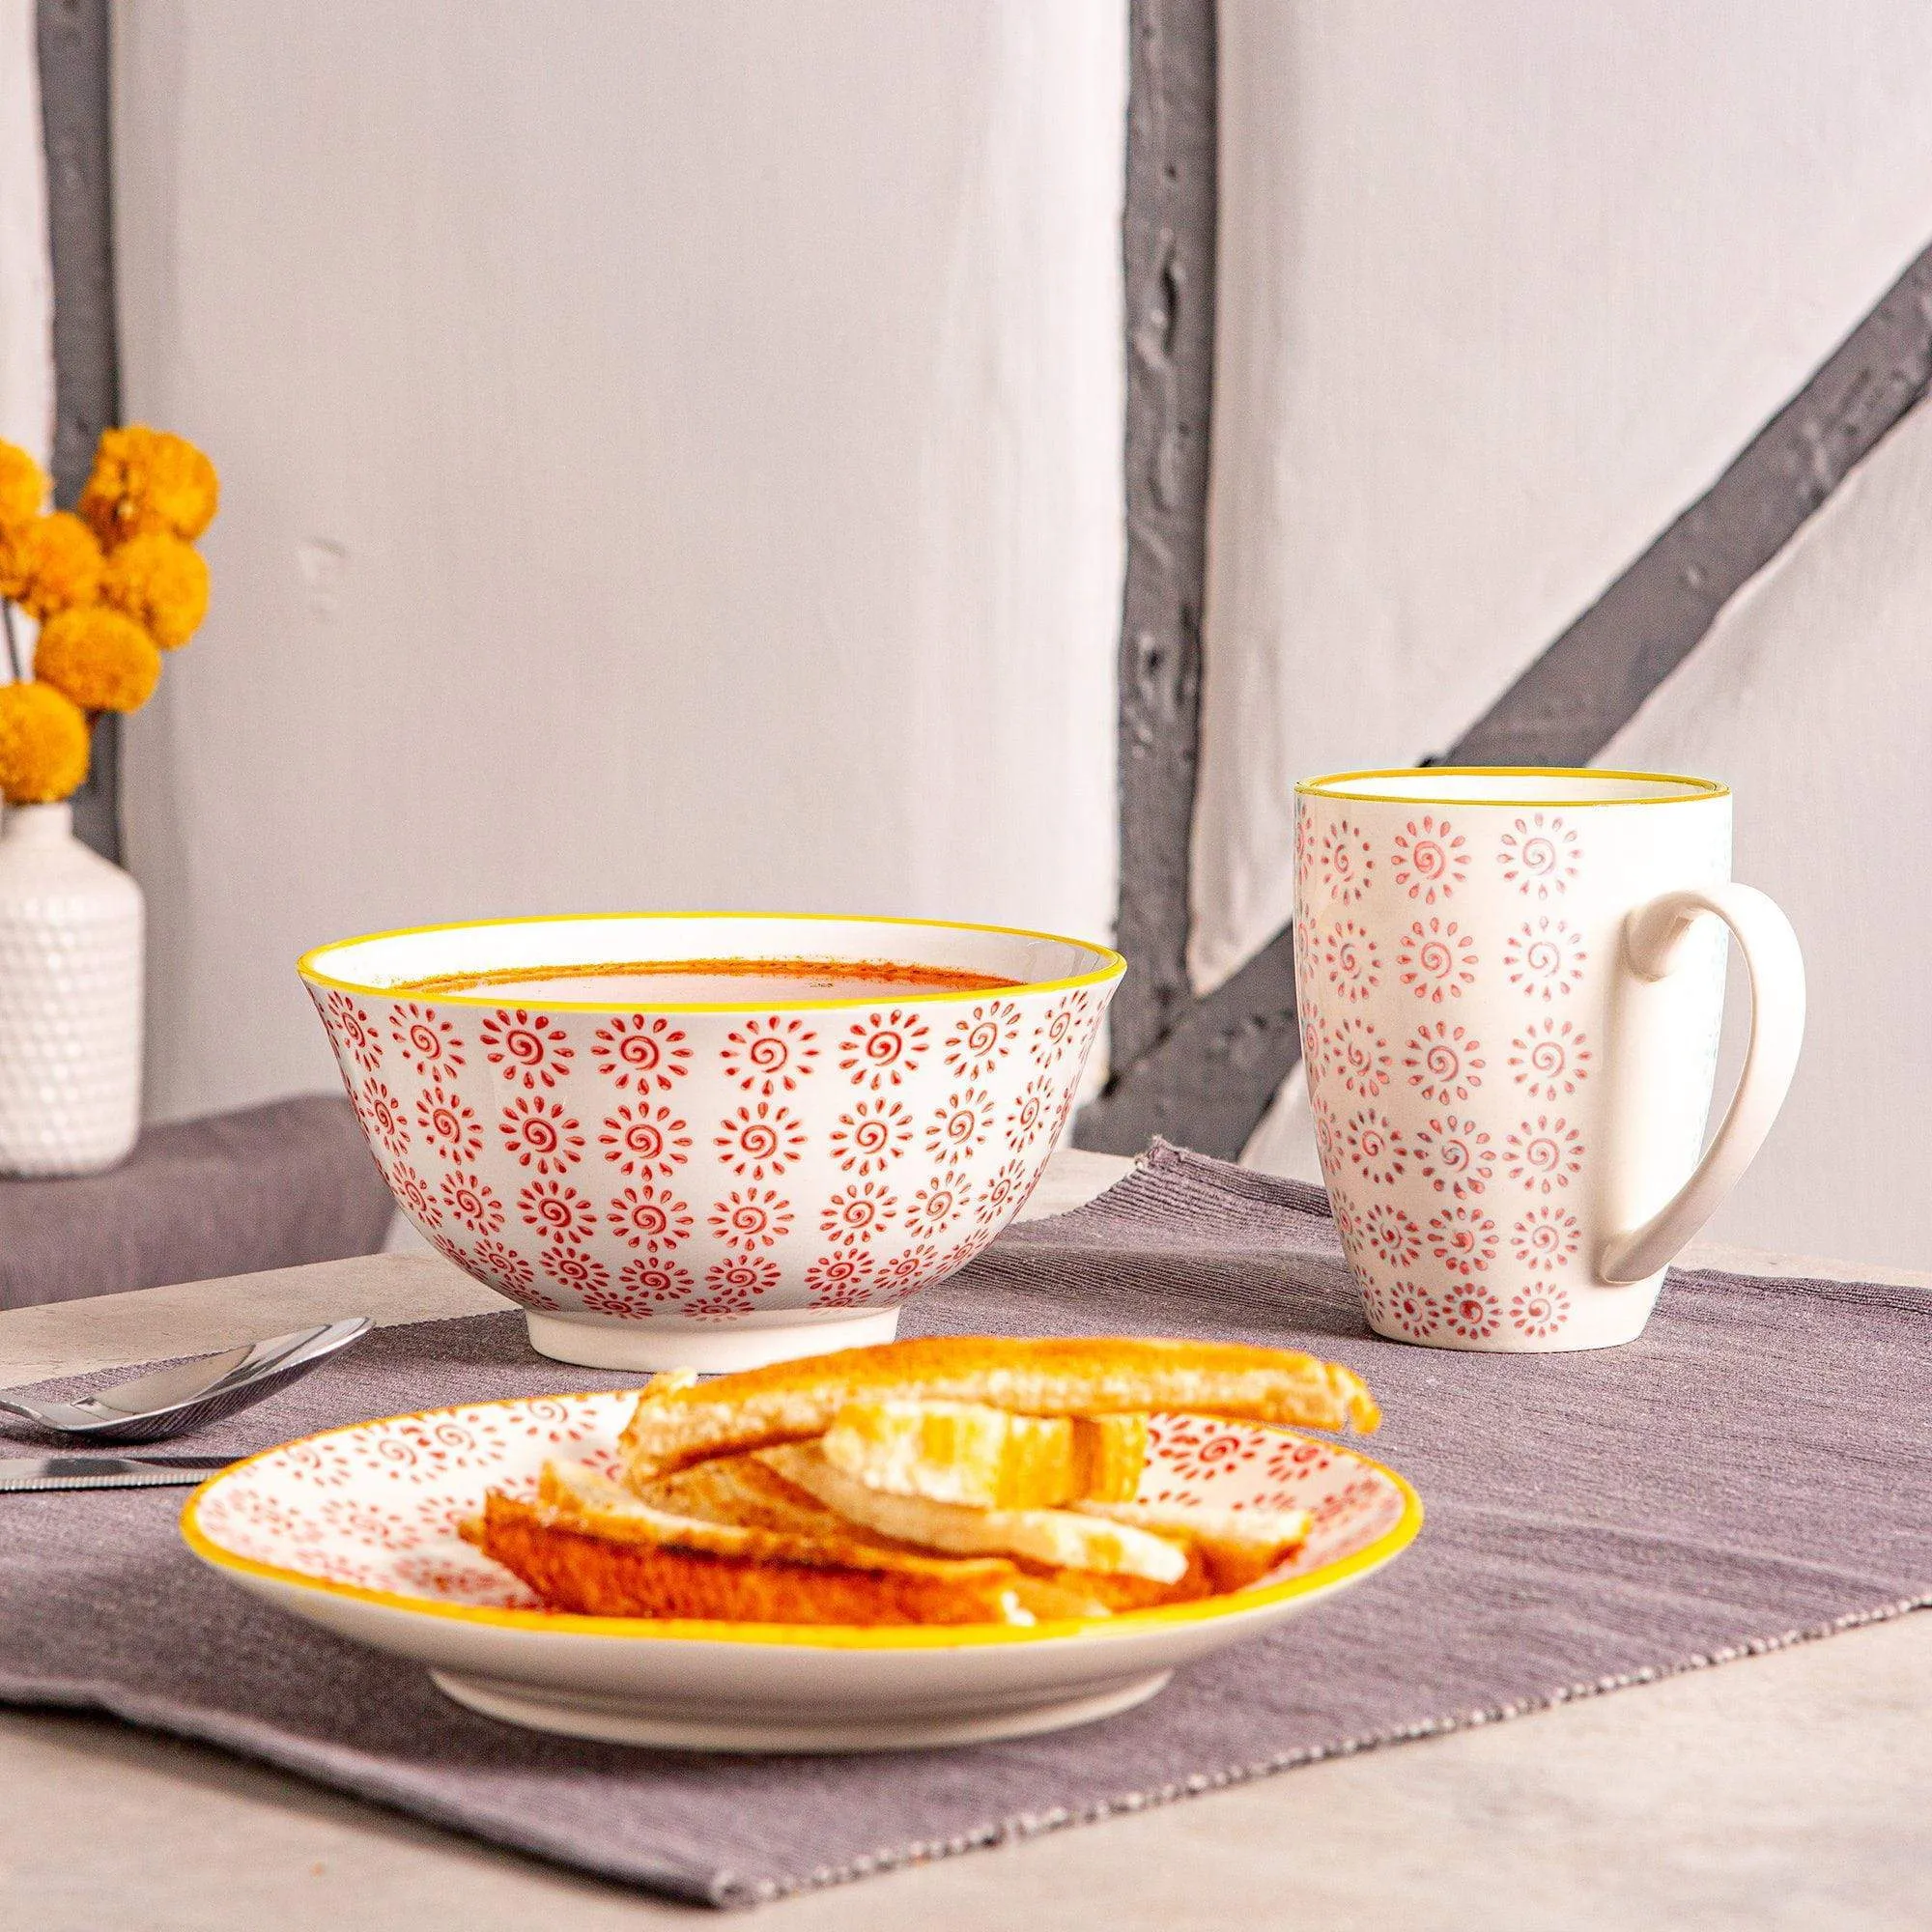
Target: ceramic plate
point(355, 1530)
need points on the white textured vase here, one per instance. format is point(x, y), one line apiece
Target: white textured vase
point(70, 931)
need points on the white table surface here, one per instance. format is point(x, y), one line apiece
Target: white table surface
point(1789, 1790)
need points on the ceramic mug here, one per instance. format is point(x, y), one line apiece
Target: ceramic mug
point(1510, 996)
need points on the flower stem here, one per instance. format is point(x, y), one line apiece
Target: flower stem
point(13, 641)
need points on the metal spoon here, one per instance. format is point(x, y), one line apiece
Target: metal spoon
point(172, 1401)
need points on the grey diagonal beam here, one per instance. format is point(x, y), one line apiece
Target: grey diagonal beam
point(1209, 1079)
point(76, 106)
point(1575, 697)
point(1167, 249)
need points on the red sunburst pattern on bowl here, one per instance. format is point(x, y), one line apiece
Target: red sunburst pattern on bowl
point(869, 1137)
point(649, 1217)
point(646, 1140)
point(637, 1051)
point(556, 1211)
point(541, 1135)
point(770, 1056)
point(426, 1040)
point(472, 1203)
point(856, 1213)
point(528, 1049)
point(884, 1049)
point(450, 1125)
point(759, 1141)
point(960, 1127)
point(749, 1218)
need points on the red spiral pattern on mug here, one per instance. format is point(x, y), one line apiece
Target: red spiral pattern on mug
point(1430, 859)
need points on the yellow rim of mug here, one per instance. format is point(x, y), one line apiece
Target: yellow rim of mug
point(817, 1637)
point(1112, 967)
point(1696, 792)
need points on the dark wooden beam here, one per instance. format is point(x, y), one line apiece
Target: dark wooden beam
point(76, 116)
point(1589, 684)
point(1208, 1080)
point(1167, 249)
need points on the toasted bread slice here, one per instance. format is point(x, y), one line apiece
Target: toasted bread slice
point(586, 1545)
point(1235, 1547)
point(966, 1452)
point(796, 1402)
point(1058, 1539)
point(591, 1575)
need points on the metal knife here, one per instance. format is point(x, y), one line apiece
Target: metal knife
point(109, 1472)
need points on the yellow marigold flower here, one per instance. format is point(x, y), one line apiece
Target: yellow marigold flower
point(102, 660)
point(51, 565)
point(162, 583)
point(23, 487)
point(144, 479)
point(42, 745)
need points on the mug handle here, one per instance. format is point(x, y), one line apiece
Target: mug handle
point(1653, 935)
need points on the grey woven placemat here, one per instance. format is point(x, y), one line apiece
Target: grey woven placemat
point(1753, 1470)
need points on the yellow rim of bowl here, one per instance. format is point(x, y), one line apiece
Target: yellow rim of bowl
point(1696, 792)
point(818, 1636)
point(1112, 967)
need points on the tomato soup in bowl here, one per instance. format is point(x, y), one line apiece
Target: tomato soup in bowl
point(710, 1140)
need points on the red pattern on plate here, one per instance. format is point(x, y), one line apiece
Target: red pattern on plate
point(378, 1506)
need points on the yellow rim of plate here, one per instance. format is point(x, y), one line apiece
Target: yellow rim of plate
point(818, 1636)
point(1112, 967)
point(1696, 792)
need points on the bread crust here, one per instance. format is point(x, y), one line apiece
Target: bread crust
point(793, 1401)
point(587, 1575)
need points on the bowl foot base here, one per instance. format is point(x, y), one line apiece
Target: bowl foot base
point(619, 1721)
point(653, 1345)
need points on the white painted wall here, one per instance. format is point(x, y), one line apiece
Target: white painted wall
point(1503, 286)
point(671, 456)
point(26, 282)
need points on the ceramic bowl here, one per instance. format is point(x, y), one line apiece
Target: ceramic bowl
point(716, 1185)
point(355, 1530)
